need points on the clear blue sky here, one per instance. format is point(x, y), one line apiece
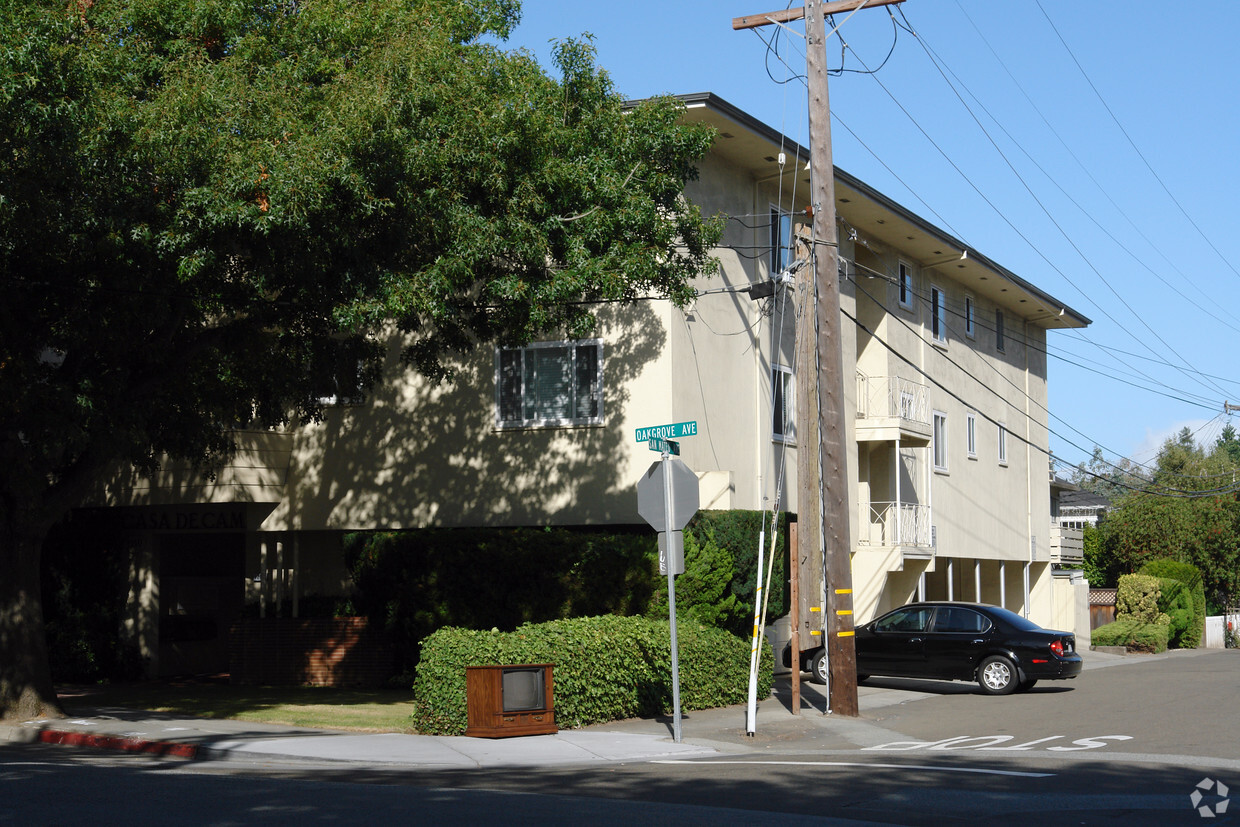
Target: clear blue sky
point(1103, 170)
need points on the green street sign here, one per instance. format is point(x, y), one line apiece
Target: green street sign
point(658, 444)
point(674, 431)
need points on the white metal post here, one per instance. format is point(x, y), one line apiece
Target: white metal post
point(671, 592)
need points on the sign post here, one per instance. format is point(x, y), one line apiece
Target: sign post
point(667, 498)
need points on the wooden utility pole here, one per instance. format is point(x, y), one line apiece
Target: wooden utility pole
point(823, 525)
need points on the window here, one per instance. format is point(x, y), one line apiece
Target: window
point(938, 314)
point(337, 372)
point(550, 383)
point(1000, 344)
point(783, 405)
point(781, 240)
point(971, 434)
point(939, 438)
point(909, 619)
point(970, 325)
point(906, 286)
point(1002, 444)
point(956, 619)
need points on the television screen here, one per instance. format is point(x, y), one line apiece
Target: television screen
point(523, 689)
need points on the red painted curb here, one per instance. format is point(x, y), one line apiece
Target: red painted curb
point(86, 739)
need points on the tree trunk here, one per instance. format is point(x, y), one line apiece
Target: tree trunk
point(26, 690)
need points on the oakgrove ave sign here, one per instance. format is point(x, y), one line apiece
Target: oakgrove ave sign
point(673, 431)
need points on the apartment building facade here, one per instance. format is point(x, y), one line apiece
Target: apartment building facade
point(946, 399)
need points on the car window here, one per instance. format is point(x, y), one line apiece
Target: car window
point(910, 619)
point(956, 619)
point(1015, 621)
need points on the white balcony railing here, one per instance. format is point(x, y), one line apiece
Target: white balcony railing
point(1067, 545)
point(897, 524)
point(892, 397)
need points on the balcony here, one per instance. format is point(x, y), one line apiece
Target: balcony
point(1067, 546)
point(890, 409)
point(905, 525)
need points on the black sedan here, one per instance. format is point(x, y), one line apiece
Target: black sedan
point(999, 649)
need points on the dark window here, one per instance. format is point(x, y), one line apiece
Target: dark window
point(956, 619)
point(558, 383)
point(910, 619)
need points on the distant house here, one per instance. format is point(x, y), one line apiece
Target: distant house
point(1078, 509)
point(946, 406)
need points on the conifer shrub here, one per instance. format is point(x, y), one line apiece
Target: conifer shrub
point(1133, 634)
point(1193, 584)
point(1137, 597)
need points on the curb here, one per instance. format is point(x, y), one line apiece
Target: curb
point(114, 742)
point(30, 735)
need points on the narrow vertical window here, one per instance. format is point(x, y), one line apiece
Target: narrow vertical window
point(1000, 344)
point(970, 325)
point(938, 314)
point(781, 240)
point(906, 286)
point(939, 438)
point(971, 434)
point(1003, 458)
point(783, 405)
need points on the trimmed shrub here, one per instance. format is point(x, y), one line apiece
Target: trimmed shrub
point(410, 583)
point(1137, 597)
point(1150, 638)
point(1135, 635)
point(1176, 604)
point(1190, 577)
point(606, 668)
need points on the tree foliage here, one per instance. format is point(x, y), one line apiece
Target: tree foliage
point(204, 202)
point(1189, 513)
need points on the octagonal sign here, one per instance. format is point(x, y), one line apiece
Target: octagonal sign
point(652, 500)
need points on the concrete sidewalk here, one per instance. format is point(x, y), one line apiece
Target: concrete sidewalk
point(704, 733)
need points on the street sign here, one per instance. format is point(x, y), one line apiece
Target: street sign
point(673, 431)
point(659, 444)
point(667, 498)
point(652, 495)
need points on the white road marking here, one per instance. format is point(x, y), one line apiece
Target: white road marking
point(976, 770)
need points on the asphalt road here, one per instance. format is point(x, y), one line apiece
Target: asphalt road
point(1129, 744)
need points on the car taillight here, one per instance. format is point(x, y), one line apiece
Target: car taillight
point(1057, 647)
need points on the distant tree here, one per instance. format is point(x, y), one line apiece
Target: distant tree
point(1189, 514)
point(1228, 443)
point(1109, 479)
point(204, 202)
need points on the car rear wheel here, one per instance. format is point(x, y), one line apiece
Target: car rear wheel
point(819, 669)
point(997, 676)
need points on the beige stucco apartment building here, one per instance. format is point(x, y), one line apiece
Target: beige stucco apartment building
point(947, 412)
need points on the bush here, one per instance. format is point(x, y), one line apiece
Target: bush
point(1190, 577)
point(1133, 634)
point(606, 668)
point(721, 563)
point(410, 583)
point(1137, 597)
point(1176, 604)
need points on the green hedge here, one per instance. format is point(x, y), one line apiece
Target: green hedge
point(606, 668)
point(411, 583)
point(1189, 576)
point(1134, 634)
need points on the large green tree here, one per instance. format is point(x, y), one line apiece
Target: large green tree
point(1189, 512)
point(203, 200)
